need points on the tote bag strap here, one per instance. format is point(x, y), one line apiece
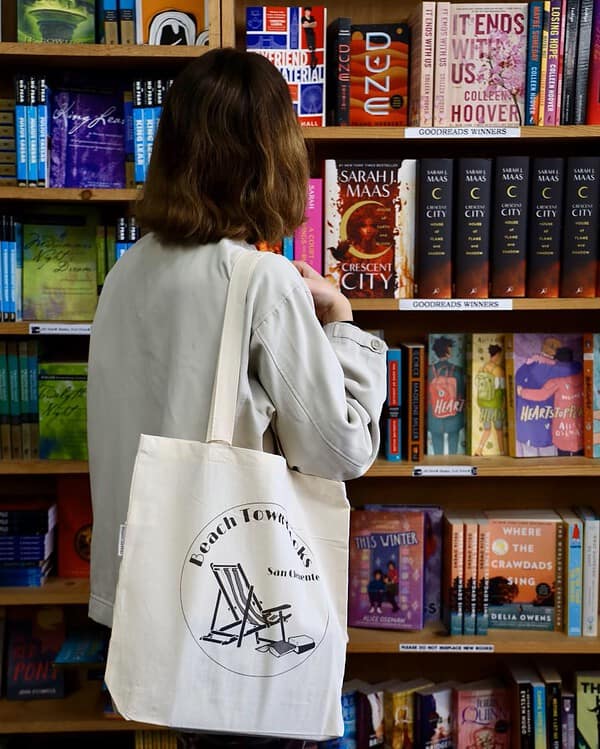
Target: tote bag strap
point(221, 419)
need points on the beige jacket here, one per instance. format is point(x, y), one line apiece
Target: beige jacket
point(153, 350)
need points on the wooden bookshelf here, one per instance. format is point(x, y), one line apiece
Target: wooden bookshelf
point(42, 467)
point(390, 305)
point(56, 590)
point(491, 467)
point(69, 195)
point(351, 133)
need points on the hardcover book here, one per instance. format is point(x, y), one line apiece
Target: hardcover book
point(386, 570)
point(446, 394)
point(413, 401)
point(63, 413)
point(545, 394)
point(482, 716)
point(593, 93)
point(88, 139)
point(442, 64)
point(369, 227)
point(308, 238)
point(338, 71)
point(184, 22)
point(524, 568)
point(59, 21)
point(486, 396)
point(534, 50)
point(390, 416)
point(588, 18)
point(293, 39)
point(379, 57)
point(488, 51)
point(587, 699)
point(74, 526)
point(59, 266)
point(422, 59)
point(591, 396)
point(433, 716)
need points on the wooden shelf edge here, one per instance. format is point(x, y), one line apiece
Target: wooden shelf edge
point(43, 467)
point(70, 195)
point(56, 591)
point(392, 305)
point(113, 51)
point(374, 133)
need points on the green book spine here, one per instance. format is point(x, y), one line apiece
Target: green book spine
point(4, 405)
point(32, 368)
point(63, 414)
point(14, 401)
point(24, 399)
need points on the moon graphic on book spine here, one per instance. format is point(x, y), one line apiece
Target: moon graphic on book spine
point(344, 231)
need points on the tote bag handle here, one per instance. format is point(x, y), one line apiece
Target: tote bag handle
point(221, 419)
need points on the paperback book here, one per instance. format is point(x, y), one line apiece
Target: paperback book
point(587, 700)
point(433, 716)
point(482, 715)
point(399, 711)
point(59, 21)
point(184, 22)
point(63, 412)
point(74, 526)
point(446, 394)
point(591, 401)
point(486, 397)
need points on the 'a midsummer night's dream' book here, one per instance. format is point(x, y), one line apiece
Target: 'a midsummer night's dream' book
point(369, 227)
point(293, 39)
point(386, 569)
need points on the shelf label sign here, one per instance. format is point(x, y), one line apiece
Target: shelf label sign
point(455, 305)
point(454, 647)
point(462, 132)
point(444, 471)
point(44, 328)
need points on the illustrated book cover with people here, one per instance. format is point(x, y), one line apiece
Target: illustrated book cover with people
point(369, 227)
point(433, 716)
point(387, 556)
point(446, 394)
point(486, 397)
point(544, 394)
point(482, 715)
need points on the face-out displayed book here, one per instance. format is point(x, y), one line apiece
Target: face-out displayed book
point(184, 22)
point(482, 715)
point(63, 411)
point(446, 394)
point(486, 398)
point(59, 21)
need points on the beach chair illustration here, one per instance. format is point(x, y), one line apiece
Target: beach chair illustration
point(239, 613)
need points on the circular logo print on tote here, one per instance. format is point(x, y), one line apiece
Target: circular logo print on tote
point(251, 595)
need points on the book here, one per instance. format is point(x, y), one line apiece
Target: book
point(486, 395)
point(369, 227)
point(293, 39)
point(184, 22)
point(582, 65)
point(5, 430)
point(338, 71)
point(591, 570)
point(524, 681)
point(88, 139)
point(60, 22)
point(422, 61)
point(591, 395)
point(579, 255)
point(379, 59)
point(34, 637)
point(471, 533)
point(593, 92)
point(413, 401)
point(509, 226)
point(525, 545)
point(446, 394)
point(483, 574)
point(488, 50)
point(534, 49)
point(453, 568)
point(433, 228)
point(127, 22)
point(386, 570)
point(545, 394)
point(573, 545)
point(442, 64)
point(567, 111)
point(553, 684)
point(14, 400)
point(308, 238)
point(433, 716)
point(567, 703)
point(587, 700)
point(472, 225)
point(74, 526)
point(59, 264)
point(545, 226)
point(399, 711)
point(544, 61)
point(63, 412)
point(87, 645)
point(481, 711)
point(552, 65)
point(390, 417)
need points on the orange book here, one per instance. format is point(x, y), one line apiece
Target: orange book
point(74, 526)
point(453, 566)
point(184, 22)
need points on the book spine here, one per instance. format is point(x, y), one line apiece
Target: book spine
point(442, 64)
point(110, 21)
point(544, 62)
point(32, 369)
point(414, 408)
point(534, 48)
point(24, 399)
point(545, 221)
point(139, 142)
point(308, 238)
point(287, 247)
point(588, 395)
point(472, 228)
point(5, 441)
point(127, 21)
point(483, 577)
point(591, 541)
point(11, 251)
point(43, 113)
point(422, 29)
point(509, 222)
point(14, 401)
point(149, 126)
point(454, 567)
point(470, 577)
point(553, 690)
point(32, 131)
point(21, 128)
point(559, 583)
point(574, 534)
point(129, 146)
point(4, 269)
point(567, 116)
point(539, 716)
point(393, 405)
point(100, 256)
point(338, 83)
point(561, 60)
point(433, 228)
point(579, 257)
point(509, 363)
point(593, 95)
point(582, 66)
point(19, 270)
point(550, 106)
point(567, 703)
point(121, 237)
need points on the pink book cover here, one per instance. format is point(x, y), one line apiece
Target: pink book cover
point(387, 554)
point(554, 34)
point(561, 62)
point(442, 45)
point(487, 60)
point(482, 716)
point(308, 239)
point(422, 41)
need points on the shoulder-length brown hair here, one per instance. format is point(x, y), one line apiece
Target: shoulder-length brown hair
point(229, 159)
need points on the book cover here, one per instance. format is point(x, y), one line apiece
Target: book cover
point(338, 71)
point(509, 226)
point(369, 716)
point(486, 396)
point(591, 394)
point(523, 569)
point(441, 112)
point(379, 58)
point(453, 568)
point(59, 21)
point(293, 39)
point(399, 711)
point(580, 254)
point(369, 227)
point(74, 526)
point(446, 394)
point(87, 645)
point(534, 49)
point(472, 226)
point(35, 635)
point(413, 411)
point(433, 228)
point(88, 139)
point(184, 22)
point(386, 570)
point(59, 265)
point(482, 715)
point(546, 393)
point(63, 412)
point(308, 238)
point(488, 52)
point(587, 700)
point(573, 547)
point(593, 94)
point(584, 40)
point(422, 59)
point(433, 716)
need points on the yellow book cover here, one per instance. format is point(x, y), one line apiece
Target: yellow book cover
point(399, 711)
point(544, 62)
point(487, 417)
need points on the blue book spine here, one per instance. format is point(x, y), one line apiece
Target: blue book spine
point(3, 251)
point(121, 244)
point(393, 406)
point(43, 112)
point(159, 99)
point(21, 128)
point(19, 271)
point(5, 258)
point(288, 247)
point(139, 143)
point(539, 716)
point(12, 270)
point(534, 49)
point(574, 528)
point(32, 131)
point(149, 126)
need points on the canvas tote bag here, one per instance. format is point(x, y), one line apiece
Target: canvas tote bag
point(230, 611)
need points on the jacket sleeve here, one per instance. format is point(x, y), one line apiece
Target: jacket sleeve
point(327, 385)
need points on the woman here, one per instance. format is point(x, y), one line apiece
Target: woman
point(229, 168)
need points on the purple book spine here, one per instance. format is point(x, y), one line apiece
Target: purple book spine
point(551, 104)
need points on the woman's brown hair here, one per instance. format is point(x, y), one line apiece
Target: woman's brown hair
point(229, 159)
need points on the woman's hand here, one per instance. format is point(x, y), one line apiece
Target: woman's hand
point(330, 304)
